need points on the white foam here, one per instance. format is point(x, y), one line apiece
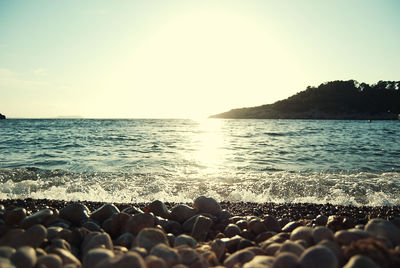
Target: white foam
point(281, 187)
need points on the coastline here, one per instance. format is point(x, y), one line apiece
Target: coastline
point(290, 211)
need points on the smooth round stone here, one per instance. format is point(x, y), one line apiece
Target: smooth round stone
point(138, 222)
point(187, 226)
point(155, 262)
point(118, 223)
point(141, 251)
point(290, 246)
point(182, 213)
point(286, 260)
point(53, 232)
point(207, 205)
point(6, 263)
point(35, 235)
point(6, 252)
point(242, 224)
point(345, 237)
point(335, 248)
point(94, 256)
point(49, 261)
point(15, 216)
point(321, 220)
point(291, 226)
point(125, 240)
point(271, 249)
point(320, 233)
point(191, 258)
point(24, 257)
point(260, 262)
point(129, 259)
point(149, 237)
point(185, 240)
point(104, 212)
point(302, 233)
point(384, 228)
point(39, 217)
point(159, 209)
point(264, 236)
point(271, 223)
point(256, 226)
point(173, 227)
point(75, 213)
point(318, 256)
point(59, 243)
point(169, 255)
point(218, 247)
point(201, 227)
point(361, 261)
point(239, 258)
point(231, 230)
point(224, 216)
point(13, 238)
point(92, 226)
point(99, 240)
point(66, 256)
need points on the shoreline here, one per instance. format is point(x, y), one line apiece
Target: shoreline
point(290, 211)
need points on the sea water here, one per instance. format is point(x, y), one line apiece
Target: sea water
point(140, 160)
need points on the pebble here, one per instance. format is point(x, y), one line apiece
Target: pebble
point(260, 262)
point(182, 213)
point(286, 260)
point(104, 212)
point(6, 251)
point(290, 246)
point(159, 209)
point(24, 257)
point(360, 261)
point(345, 237)
point(95, 256)
point(149, 237)
point(239, 258)
point(384, 228)
point(15, 216)
point(302, 233)
point(169, 255)
point(201, 227)
point(184, 239)
point(75, 213)
point(155, 262)
point(39, 217)
point(291, 226)
point(318, 256)
point(256, 226)
point(207, 205)
point(320, 233)
point(49, 261)
point(97, 241)
point(138, 222)
point(271, 223)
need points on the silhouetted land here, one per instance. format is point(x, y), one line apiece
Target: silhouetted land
point(331, 100)
point(2, 116)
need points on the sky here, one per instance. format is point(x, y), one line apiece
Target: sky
point(185, 59)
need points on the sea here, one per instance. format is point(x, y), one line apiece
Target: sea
point(140, 160)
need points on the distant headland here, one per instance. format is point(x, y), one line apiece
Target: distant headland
point(331, 100)
point(2, 116)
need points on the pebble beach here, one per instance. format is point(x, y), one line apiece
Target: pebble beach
point(204, 233)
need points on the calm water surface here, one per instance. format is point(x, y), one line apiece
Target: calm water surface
point(341, 162)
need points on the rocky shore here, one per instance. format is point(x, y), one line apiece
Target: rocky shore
point(205, 233)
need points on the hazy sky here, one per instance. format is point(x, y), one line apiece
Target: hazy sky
point(171, 59)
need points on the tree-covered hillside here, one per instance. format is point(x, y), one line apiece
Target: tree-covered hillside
point(331, 100)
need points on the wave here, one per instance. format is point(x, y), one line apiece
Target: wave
point(338, 188)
